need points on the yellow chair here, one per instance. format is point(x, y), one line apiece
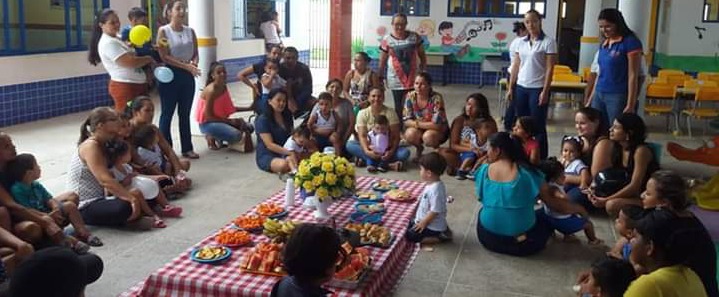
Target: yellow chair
point(561, 69)
point(676, 79)
point(667, 72)
point(660, 101)
point(586, 71)
point(704, 94)
point(708, 76)
point(696, 83)
point(566, 77)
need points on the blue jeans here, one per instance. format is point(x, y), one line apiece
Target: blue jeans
point(526, 103)
point(574, 193)
point(178, 93)
point(221, 131)
point(355, 149)
point(611, 105)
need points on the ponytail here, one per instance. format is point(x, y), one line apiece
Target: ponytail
point(93, 54)
point(84, 131)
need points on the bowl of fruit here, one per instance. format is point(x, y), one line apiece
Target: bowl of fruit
point(250, 223)
point(271, 210)
point(233, 238)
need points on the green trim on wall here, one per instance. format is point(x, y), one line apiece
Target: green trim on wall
point(687, 63)
point(473, 55)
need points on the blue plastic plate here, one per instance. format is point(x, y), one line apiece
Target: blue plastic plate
point(363, 217)
point(194, 252)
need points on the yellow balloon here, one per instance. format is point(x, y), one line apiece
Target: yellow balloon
point(139, 35)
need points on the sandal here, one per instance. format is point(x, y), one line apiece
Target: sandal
point(191, 155)
point(159, 223)
point(170, 211)
point(90, 239)
point(75, 245)
point(212, 143)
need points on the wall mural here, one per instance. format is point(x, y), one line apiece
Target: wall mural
point(468, 44)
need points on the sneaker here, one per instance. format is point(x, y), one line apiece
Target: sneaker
point(171, 211)
point(470, 176)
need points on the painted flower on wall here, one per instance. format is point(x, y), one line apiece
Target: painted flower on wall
point(501, 36)
point(500, 44)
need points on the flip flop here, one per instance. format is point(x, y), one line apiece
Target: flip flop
point(159, 223)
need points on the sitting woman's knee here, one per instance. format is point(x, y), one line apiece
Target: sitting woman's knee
point(432, 138)
point(413, 136)
point(69, 206)
point(28, 231)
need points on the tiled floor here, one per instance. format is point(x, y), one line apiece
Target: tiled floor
point(228, 183)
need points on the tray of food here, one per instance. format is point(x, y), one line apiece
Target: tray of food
point(274, 228)
point(372, 234)
point(369, 207)
point(233, 238)
point(398, 195)
point(250, 223)
point(368, 196)
point(210, 254)
point(271, 210)
point(264, 259)
point(352, 269)
point(384, 185)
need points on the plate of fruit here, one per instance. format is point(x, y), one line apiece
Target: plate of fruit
point(274, 228)
point(352, 268)
point(384, 185)
point(372, 234)
point(368, 196)
point(369, 207)
point(233, 238)
point(398, 195)
point(250, 223)
point(271, 210)
point(264, 259)
point(210, 254)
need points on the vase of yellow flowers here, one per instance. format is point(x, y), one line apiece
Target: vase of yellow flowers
point(326, 177)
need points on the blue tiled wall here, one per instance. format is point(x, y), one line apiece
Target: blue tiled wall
point(234, 66)
point(45, 99)
point(459, 73)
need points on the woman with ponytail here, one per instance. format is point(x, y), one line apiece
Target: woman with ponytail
point(213, 114)
point(508, 188)
point(89, 175)
point(127, 79)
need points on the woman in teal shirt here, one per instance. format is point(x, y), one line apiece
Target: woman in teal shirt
point(508, 188)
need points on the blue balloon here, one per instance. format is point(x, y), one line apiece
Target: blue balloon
point(164, 74)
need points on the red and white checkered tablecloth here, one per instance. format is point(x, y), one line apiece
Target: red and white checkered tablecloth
point(184, 277)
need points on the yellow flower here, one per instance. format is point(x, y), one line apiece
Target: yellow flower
point(327, 158)
point(315, 162)
point(351, 170)
point(331, 179)
point(322, 192)
point(336, 192)
point(303, 171)
point(327, 166)
point(348, 182)
point(308, 186)
point(340, 169)
point(318, 180)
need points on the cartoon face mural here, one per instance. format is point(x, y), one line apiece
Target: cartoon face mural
point(425, 30)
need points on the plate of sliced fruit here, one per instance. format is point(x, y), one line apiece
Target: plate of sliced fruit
point(271, 210)
point(398, 195)
point(210, 254)
point(264, 259)
point(369, 196)
point(250, 223)
point(384, 185)
point(233, 238)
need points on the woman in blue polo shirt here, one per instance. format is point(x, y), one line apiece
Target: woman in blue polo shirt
point(619, 60)
point(534, 56)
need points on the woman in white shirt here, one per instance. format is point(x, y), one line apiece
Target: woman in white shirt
point(127, 79)
point(270, 28)
point(178, 49)
point(534, 60)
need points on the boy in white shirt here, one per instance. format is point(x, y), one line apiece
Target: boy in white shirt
point(430, 222)
point(297, 147)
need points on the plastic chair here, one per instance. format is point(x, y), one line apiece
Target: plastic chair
point(559, 69)
point(661, 101)
point(708, 94)
point(676, 79)
point(708, 76)
point(667, 72)
point(566, 77)
point(586, 71)
point(696, 84)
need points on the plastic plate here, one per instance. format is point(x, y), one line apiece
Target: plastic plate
point(193, 255)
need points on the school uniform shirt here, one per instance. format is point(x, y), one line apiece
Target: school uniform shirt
point(513, 49)
point(110, 50)
point(613, 59)
point(33, 196)
point(433, 199)
point(575, 167)
point(595, 65)
point(533, 60)
point(672, 281)
point(403, 61)
point(292, 146)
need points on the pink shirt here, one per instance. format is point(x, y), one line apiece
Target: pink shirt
point(223, 107)
point(530, 146)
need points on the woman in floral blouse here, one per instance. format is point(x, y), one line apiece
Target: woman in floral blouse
point(425, 119)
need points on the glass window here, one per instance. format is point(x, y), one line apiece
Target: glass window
point(46, 26)
point(500, 8)
point(711, 11)
point(408, 7)
point(247, 16)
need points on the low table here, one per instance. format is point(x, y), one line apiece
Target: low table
point(184, 277)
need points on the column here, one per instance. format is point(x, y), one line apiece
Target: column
point(340, 38)
point(637, 13)
point(201, 19)
point(590, 39)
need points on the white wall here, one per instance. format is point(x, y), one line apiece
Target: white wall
point(438, 13)
point(676, 33)
point(231, 49)
point(39, 67)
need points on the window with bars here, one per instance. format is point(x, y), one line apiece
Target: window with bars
point(408, 7)
point(493, 8)
point(30, 27)
point(247, 16)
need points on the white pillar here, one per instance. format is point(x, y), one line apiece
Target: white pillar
point(636, 13)
point(590, 39)
point(202, 16)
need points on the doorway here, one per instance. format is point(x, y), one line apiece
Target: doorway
point(569, 32)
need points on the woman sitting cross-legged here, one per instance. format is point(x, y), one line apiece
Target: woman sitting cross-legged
point(213, 114)
point(508, 188)
point(366, 120)
point(425, 119)
point(273, 128)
